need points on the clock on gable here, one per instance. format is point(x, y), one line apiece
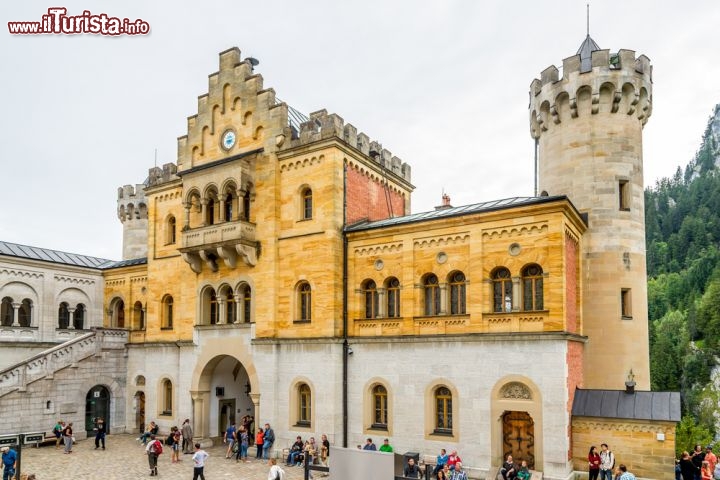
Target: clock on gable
point(227, 141)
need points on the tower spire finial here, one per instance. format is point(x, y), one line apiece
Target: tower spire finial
point(588, 19)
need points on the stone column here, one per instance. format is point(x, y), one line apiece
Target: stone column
point(238, 315)
point(222, 312)
point(382, 303)
point(241, 205)
point(516, 294)
point(186, 207)
point(443, 299)
point(201, 413)
point(255, 397)
point(16, 314)
point(143, 319)
point(222, 206)
point(203, 212)
point(71, 318)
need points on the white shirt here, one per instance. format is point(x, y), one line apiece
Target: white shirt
point(199, 458)
point(276, 473)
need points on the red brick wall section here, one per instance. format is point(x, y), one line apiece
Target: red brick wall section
point(367, 198)
point(574, 380)
point(571, 284)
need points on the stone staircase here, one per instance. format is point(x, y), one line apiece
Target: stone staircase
point(44, 365)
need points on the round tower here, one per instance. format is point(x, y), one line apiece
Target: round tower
point(132, 212)
point(588, 128)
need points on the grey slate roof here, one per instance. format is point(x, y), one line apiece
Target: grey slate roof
point(585, 51)
point(53, 256)
point(633, 406)
point(455, 211)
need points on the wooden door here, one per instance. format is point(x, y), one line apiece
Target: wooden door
point(519, 437)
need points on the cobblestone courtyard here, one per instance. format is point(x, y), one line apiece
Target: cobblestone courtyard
point(125, 459)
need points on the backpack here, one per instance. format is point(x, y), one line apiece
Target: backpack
point(170, 440)
point(156, 447)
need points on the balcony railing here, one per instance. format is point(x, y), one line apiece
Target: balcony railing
point(227, 241)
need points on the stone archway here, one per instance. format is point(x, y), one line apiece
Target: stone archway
point(222, 374)
point(517, 427)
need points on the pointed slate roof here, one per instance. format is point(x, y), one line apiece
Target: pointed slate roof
point(585, 51)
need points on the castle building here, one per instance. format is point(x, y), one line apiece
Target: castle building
point(277, 270)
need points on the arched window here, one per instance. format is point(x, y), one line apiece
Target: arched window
point(171, 230)
point(304, 405)
point(443, 410)
point(380, 407)
point(25, 313)
point(457, 293)
point(229, 306)
point(167, 397)
point(167, 313)
point(228, 213)
point(304, 302)
point(246, 206)
point(7, 313)
point(370, 296)
point(532, 288)
point(245, 303)
point(120, 314)
point(210, 212)
point(502, 290)
point(432, 295)
point(79, 317)
point(138, 316)
point(307, 204)
point(63, 316)
point(392, 286)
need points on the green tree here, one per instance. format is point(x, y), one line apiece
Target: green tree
point(667, 351)
point(688, 434)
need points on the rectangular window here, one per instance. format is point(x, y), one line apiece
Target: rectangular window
point(624, 194)
point(626, 303)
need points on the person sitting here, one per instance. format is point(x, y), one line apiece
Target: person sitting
point(453, 459)
point(369, 445)
point(508, 469)
point(411, 470)
point(310, 451)
point(459, 473)
point(295, 450)
point(386, 447)
point(442, 459)
point(152, 429)
point(523, 472)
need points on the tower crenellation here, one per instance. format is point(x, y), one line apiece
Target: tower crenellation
point(133, 213)
point(587, 120)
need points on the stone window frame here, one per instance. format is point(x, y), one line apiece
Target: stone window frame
point(170, 230)
point(533, 281)
point(432, 432)
point(307, 206)
point(393, 306)
point(370, 426)
point(167, 312)
point(457, 297)
point(498, 278)
point(370, 299)
point(296, 422)
point(166, 394)
point(431, 306)
point(303, 309)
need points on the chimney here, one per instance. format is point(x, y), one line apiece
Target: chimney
point(445, 202)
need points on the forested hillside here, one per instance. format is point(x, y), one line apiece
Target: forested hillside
point(682, 216)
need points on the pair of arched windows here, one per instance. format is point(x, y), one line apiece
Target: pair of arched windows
point(226, 306)
point(531, 285)
point(457, 300)
point(375, 306)
point(68, 316)
point(7, 312)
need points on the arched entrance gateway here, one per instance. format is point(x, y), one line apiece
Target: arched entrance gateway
point(224, 390)
point(517, 406)
point(97, 405)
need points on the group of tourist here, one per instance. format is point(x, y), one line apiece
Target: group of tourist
point(239, 439)
point(308, 451)
point(64, 435)
point(447, 467)
point(602, 464)
point(700, 465)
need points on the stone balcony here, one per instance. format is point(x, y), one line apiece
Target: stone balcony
point(502, 322)
point(228, 241)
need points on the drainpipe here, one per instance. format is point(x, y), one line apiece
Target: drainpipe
point(346, 346)
point(536, 167)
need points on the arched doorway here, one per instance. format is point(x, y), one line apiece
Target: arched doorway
point(139, 401)
point(97, 404)
point(519, 437)
point(223, 391)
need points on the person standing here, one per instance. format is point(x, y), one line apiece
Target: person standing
point(187, 434)
point(268, 440)
point(594, 463)
point(325, 450)
point(698, 456)
point(386, 447)
point(229, 439)
point(607, 462)
point(177, 441)
point(275, 472)
point(9, 462)
point(687, 469)
point(100, 430)
point(68, 437)
point(57, 430)
point(153, 450)
point(711, 458)
point(259, 440)
point(199, 458)
point(244, 441)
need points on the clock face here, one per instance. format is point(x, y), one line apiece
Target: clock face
point(228, 139)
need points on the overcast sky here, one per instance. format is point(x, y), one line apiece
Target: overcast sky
point(441, 84)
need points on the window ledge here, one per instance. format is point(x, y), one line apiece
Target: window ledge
point(166, 328)
point(378, 426)
point(304, 219)
point(626, 317)
point(301, 321)
point(442, 432)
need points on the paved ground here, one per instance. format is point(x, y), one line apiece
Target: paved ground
point(125, 459)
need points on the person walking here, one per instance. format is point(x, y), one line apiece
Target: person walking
point(100, 431)
point(68, 437)
point(229, 439)
point(199, 458)
point(275, 472)
point(9, 462)
point(57, 430)
point(187, 434)
point(153, 450)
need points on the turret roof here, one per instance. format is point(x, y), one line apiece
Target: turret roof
point(585, 51)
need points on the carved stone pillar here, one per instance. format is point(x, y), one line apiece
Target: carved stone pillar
point(16, 313)
point(186, 207)
point(516, 294)
point(203, 212)
point(443, 299)
point(222, 207)
point(71, 318)
point(239, 312)
point(242, 214)
point(255, 397)
point(382, 303)
point(201, 413)
point(222, 310)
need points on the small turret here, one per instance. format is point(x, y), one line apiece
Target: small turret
point(132, 212)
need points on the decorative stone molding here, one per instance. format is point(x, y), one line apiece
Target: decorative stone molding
point(516, 390)
point(512, 231)
point(594, 425)
point(298, 164)
point(384, 248)
point(457, 239)
point(20, 273)
point(74, 280)
point(115, 283)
